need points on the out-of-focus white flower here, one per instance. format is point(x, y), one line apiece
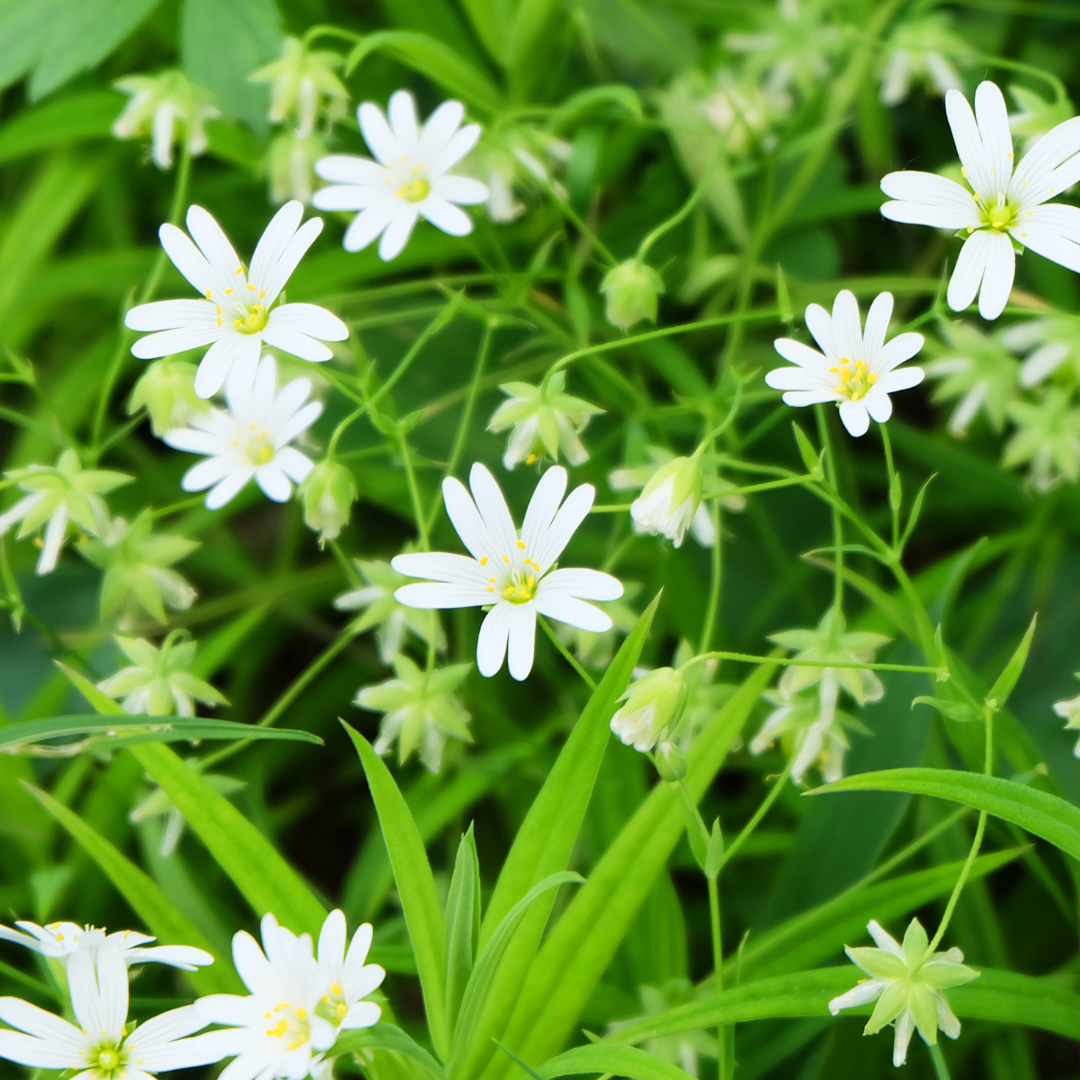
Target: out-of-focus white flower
point(1037, 115)
point(328, 491)
point(512, 574)
point(923, 50)
point(522, 159)
point(58, 495)
point(346, 978)
point(543, 418)
point(408, 179)
point(1069, 711)
point(237, 315)
point(421, 710)
point(908, 982)
point(251, 440)
point(168, 108)
point(159, 682)
point(855, 369)
point(292, 166)
point(303, 81)
point(1001, 205)
point(1048, 436)
point(1048, 344)
point(653, 705)
point(670, 502)
point(104, 1046)
point(61, 940)
point(743, 111)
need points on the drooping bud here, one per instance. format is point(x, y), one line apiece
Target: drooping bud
point(653, 706)
point(292, 166)
point(631, 290)
point(169, 109)
point(670, 762)
point(669, 501)
point(303, 82)
point(328, 491)
point(167, 389)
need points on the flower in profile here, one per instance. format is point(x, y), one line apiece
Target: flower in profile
point(979, 372)
point(279, 1030)
point(421, 710)
point(59, 495)
point(292, 166)
point(1049, 343)
point(653, 705)
point(393, 621)
point(670, 503)
point(328, 491)
point(169, 109)
point(743, 112)
point(345, 977)
point(923, 50)
point(138, 569)
point(631, 291)
point(908, 982)
point(159, 681)
point(102, 1045)
point(857, 369)
point(167, 390)
point(1047, 437)
point(158, 805)
point(237, 315)
point(543, 419)
point(303, 81)
point(1000, 205)
point(62, 940)
point(408, 179)
point(251, 440)
point(1069, 711)
point(511, 573)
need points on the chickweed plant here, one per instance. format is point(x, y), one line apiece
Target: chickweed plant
point(539, 539)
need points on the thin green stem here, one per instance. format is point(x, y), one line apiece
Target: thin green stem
point(590, 682)
point(770, 485)
point(750, 658)
point(681, 213)
point(414, 493)
point(718, 968)
point(177, 507)
point(426, 334)
point(576, 220)
point(941, 1070)
point(894, 503)
point(837, 520)
point(759, 813)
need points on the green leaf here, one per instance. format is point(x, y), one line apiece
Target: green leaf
point(434, 60)
point(416, 887)
point(491, 22)
point(135, 729)
point(585, 101)
point(1003, 687)
point(810, 458)
point(387, 1037)
point(146, 898)
point(1044, 815)
point(60, 122)
point(916, 510)
point(462, 923)
point(954, 710)
point(610, 1058)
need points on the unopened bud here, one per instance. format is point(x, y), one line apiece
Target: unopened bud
point(670, 762)
point(167, 389)
point(328, 493)
point(631, 289)
point(653, 705)
point(670, 499)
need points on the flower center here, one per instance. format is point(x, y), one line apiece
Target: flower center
point(292, 1025)
point(251, 320)
point(855, 378)
point(415, 189)
point(255, 444)
point(996, 212)
point(107, 1058)
point(515, 582)
point(334, 1004)
point(520, 588)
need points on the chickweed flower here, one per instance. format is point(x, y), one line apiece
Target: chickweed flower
point(408, 179)
point(1047, 437)
point(631, 290)
point(542, 419)
point(103, 1045)
point(66, 493)
point(237, 315)
point(908, 982)
point(1049, 343)
point(292, 166)
point(653, 705)
point(159, 682)
point(167, 390)
point(1036, 115)
point(303, 82)
point(138, 569)
point(512, 574)
point(1000, 206)
point(158, 805)
point(62, 940)
point(393, 621)
point(345, 977)
point(1069, 711)
point(328, 491)
point(920, 50)
point(670, 502)
point(421, 710)
point(251, 440)
point(169, 109)
point(857, 369)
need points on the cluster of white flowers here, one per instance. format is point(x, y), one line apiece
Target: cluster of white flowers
point(286, 1027)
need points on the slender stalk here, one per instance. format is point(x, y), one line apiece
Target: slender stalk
point(752, 824)
point(891, 468)
point(718, 968)
point(771, 485)
point(751, 658)
point(426, 334)
point(590, 682)
point(414, 493)
point(837, 519)
point(680, 214)
point(941, 1070)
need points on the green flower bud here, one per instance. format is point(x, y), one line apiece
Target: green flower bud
point(670, 499)
point(167, 390)
point(670, 762)
point(169, 109)
point(653, 706)
point(630, 290)
point(328, 493)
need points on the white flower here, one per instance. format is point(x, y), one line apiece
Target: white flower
point(59, 495)
point(299, 80)
point(275, 1032)
point(346, 980)
point(670, 503)
point(1069, 711)
point(237, 316)
point(408, 179)
point(908, 984)
point(102, 1046)
point(251, 440)
point(919, 49)
point(512, 574)
point(61, 940)
point(1002, 206)
point(1048, 344)
point(857, 370)
point(653, 705)
point(170, 108)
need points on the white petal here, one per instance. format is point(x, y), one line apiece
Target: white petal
point(902, 347)
point(54, 540)
point(366, 226)
point(402, 116)
point(440, 128)
point(878, 405)
point(398, 231)
point(467, 521)
point(350, 169)
point(968, 273)
point(847, 325)
point(207, 473)
point(585, 584)
point(348, 196)
point(522, 642)
point(998, 278)
point(273, 482)
point(905, 1028)
point(227, 490)
point(444, 215)
point(172, 315)
point(819, 323)
point(877, 326)
point(356, 957)
point(99, 993)
point(293, 464)
point(455, 149)
point(1043, 362)
point(215, 365)
point(440, 595)
point(363, 1014)
point(793, 378)
point(797, 353)
point(252, 966)
point(272, 277)
point(883, 939)
point(377, 133)
point(854, 417)
point(929, 194)
point(213, 242)
point(180, 956)
point(187, 258)
point(799, 399)
point(310, 319)
point(460, 189)
point(863, 994)
point(232, 1009)
point(900, 379)
point(543, 506)
point(168, 342)
point(969, 144)
point(993, 120)
point(566, 609)
point(441, 566)
point(37, 1053)
point(41, 1024)
point(283, 337)
point(1047, 154)
point(488, 496)
point(938, 217)
point(491, 644)
point(273, 242)
point(245, 364)
point(573, 512)
point(193, 441)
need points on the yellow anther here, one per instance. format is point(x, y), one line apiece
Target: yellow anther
point(993, 170)
point(219, 320)
point(492, 580)
point(491, 588)
point(506, 558)
point(1053, 191)
point(963, 173)
point(1009, 155)
point(218, 310)
point(484, 560)
point(251, 287)
point(228, 292)
point(207, 294)
point(262, 294)
point(530, 459)
point(238, 270)
point(833, 370)
point(237, 322)
point(342, 1010)
point(334, 989)
point(521, 544)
